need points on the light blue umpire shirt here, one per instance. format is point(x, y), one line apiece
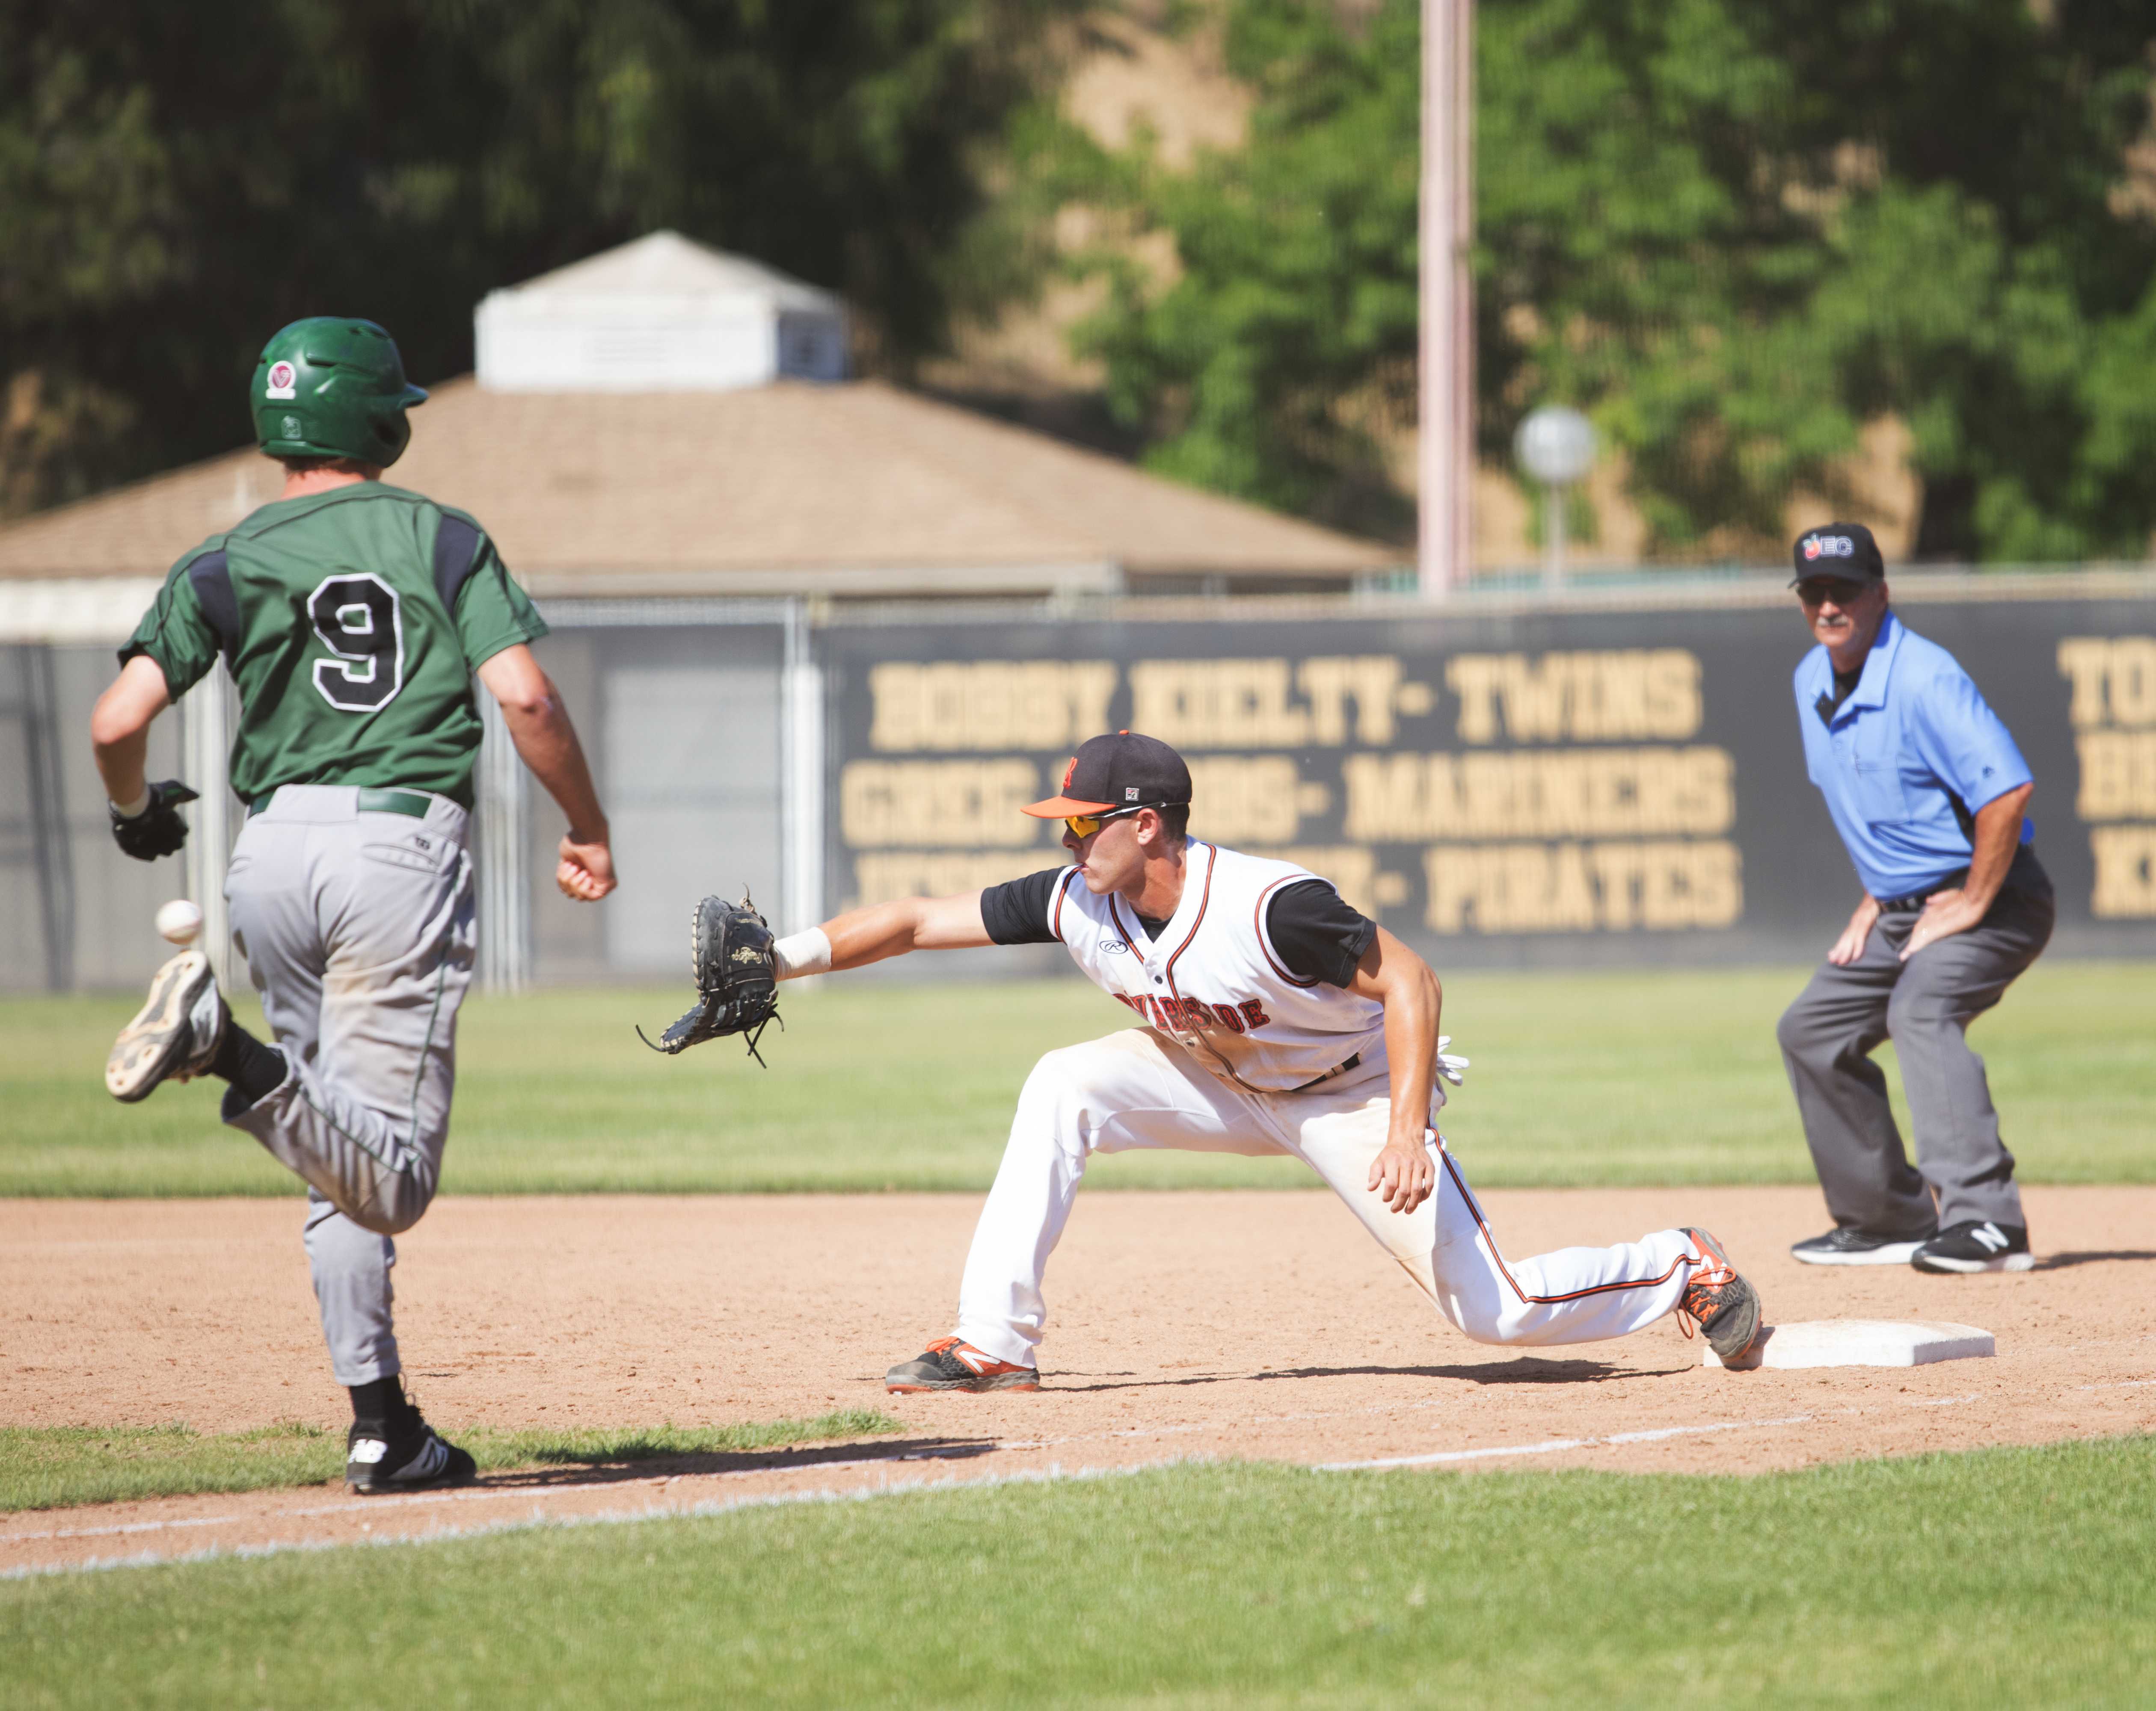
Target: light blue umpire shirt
point(1910, 757)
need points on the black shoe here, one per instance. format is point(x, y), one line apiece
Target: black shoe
point(1726, 1307)
point(1980, 1245)
point(409, 1456)
point(1852, 1246)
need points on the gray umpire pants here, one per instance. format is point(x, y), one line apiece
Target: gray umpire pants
point(1924, 1005)
point(358, 930)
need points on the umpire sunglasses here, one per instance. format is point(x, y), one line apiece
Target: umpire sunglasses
point(1085, 825)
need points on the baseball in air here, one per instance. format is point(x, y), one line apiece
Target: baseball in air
point(180, 921)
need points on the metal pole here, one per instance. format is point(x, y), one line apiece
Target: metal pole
point(206, 723)
point(1444, 523)
point(801, 774)
point(48, 825)
point(502, 795)
point(1553, 536)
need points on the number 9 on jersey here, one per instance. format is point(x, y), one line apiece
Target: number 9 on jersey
point(359, 620)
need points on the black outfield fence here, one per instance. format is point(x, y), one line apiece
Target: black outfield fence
point(1572, 784)
point(1615, 776)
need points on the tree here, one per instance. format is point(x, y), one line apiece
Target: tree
point(178, 182)
point(1733, 232)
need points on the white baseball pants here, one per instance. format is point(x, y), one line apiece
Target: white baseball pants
point(1136, 1089)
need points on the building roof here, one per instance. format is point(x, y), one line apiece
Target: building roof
point(856, 489)
point(669, 268)
point(661, 315)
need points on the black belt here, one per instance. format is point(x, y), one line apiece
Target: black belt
point(372, 800)
point(1916, 899)
point(1335, 1072)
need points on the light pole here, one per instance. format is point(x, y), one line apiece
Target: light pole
point(1443, 528)
point(1556, 446)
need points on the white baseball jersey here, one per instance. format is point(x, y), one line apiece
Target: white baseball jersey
point(1213, 982)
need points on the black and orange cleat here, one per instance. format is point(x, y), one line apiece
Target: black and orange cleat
point(1722, 1304)
point(949, 1365)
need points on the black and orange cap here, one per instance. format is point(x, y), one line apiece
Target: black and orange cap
point(1122, 771)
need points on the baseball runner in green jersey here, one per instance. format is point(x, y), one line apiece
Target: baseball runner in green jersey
point(352, 617)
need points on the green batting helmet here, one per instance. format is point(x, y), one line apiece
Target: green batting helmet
point(331, 388)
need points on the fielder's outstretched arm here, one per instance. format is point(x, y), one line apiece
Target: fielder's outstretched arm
point(861, 936)
point(1408, 987)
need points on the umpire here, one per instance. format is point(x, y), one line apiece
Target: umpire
point(1927, 791)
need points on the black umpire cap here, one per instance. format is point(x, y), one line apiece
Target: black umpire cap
point(1843, 550)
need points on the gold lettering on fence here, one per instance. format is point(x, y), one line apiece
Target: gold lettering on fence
point(2118, 774)
point(1581, 887)
point(2113, 678)
point(1372, 682)
point(1627, 694)
point(2125, 872)
point(1239, 801)
point(884, 876)
point(1564, 793)
point(1272, 704)
point(989, 704)
point(2113, 713)
point(918, 804)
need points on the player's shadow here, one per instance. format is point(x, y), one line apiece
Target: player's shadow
point(1524, 1369)
point(567, 1468)
point(2060, 1262)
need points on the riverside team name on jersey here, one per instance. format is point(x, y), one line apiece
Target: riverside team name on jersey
point(1212, 981)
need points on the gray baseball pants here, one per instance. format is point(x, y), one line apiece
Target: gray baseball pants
point(358, 928)
point(1925, 1007)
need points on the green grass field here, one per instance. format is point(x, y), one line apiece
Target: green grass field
point(1578, 1079)
point(2005, 1577)
point(53, 1466)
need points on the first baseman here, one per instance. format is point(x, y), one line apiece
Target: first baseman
point(1276, 1020)
point(352, 616)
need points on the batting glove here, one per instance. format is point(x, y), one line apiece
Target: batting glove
point(158, 830)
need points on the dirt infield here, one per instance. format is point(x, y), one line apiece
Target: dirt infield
point(1253, 1324)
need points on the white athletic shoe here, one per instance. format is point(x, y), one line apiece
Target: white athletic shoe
point(175, 1036)
point(1849, 1246)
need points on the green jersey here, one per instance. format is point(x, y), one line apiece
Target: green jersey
point(351, 622)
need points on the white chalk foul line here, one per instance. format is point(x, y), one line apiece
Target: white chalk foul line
point(388, 1501)
point(1053, 1474)
point(1550, 1447)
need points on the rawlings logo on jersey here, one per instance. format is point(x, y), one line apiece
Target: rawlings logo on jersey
point(1196, 1015)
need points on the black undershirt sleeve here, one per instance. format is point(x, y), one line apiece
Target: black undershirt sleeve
point(1317, 936)
point(1016, 912)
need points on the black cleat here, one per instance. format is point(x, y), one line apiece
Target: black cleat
point(1725, 1307)
point(1980, 1245)
point(409, 1456)
point(1852, 1246)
